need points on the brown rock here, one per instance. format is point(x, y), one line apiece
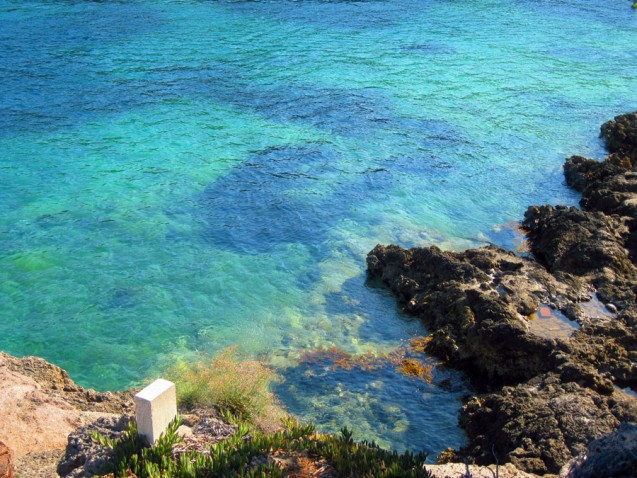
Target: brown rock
point(620, 136)
point(561, 390)
point(6, 467)
point(614, 455)
point(538, 426)
point(40, 405)
point(476, 304)
point(589, 245)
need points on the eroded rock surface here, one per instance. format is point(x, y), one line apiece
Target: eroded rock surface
point(615, 454)
point(546, 397)
point(84, 456)
point(6, 463)
point(477, 303)
point(541, 424)
point(620, 137)
point(40, 405)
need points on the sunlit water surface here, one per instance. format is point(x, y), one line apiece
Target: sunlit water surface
point(184, 176)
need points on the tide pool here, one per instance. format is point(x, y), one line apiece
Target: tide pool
point(179, 177)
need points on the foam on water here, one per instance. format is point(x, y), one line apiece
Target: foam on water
point(183, 176)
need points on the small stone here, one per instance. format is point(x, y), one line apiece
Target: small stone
point(184, 431)
point(448, 455)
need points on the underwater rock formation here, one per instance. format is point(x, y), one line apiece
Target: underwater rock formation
point(545, 396)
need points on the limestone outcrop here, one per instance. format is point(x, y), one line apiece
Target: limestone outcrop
point(41, 405)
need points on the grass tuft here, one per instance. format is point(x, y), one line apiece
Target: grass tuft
point(237, 388)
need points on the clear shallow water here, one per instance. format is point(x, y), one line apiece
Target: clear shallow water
point(183, 176)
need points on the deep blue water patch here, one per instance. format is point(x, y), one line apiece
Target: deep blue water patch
point(63, 75)
point(429, 48)
point(340, 111)
point(279, 195)
point(291, 194)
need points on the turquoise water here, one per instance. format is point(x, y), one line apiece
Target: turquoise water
point(184, 176)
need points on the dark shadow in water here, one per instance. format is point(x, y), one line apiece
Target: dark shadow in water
point(278, 196)
point(53, 72)
point(69, 77)
point(346, 112)
point(296, 195)
point(429, 48)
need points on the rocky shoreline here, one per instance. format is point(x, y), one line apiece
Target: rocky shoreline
point(550, 340)
point(47, 423)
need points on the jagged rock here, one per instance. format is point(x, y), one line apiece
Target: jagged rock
point(6, 466)
point(448, 455)
point(561, 393)
point(612, 455)
point(609, 186)
point(541, 424)
point(573, 243)
point(56, 381)
point(477, 304)
point(581, 172)
point(609, 347)
point(84, 456)
point(620, 136)
point(41, 405)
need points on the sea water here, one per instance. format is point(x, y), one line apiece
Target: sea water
point(178, 177)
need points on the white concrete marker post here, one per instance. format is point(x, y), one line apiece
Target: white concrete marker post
point(155, 407)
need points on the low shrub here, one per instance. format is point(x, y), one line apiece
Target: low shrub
point(239, 455)
point(238, 389)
